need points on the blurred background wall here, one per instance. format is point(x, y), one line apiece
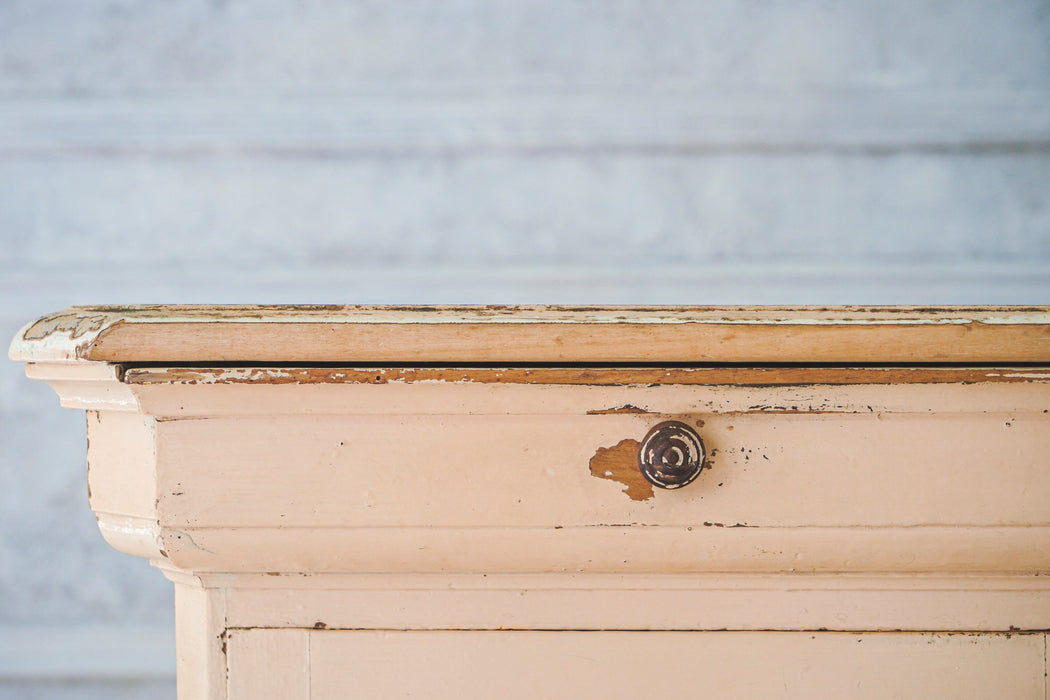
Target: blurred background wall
point(557, 151)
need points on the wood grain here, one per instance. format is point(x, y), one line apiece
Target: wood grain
point(591, 376)
point(553, 334)
point(619, 463)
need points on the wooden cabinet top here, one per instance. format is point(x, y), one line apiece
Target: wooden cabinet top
point(537, 334)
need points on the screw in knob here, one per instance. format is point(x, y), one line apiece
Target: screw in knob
point(672, 455)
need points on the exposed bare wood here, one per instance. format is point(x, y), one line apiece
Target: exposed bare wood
point(619, 463)
point(591, 376)
point(539, 334)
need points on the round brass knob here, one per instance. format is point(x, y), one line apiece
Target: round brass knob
point(672, 455)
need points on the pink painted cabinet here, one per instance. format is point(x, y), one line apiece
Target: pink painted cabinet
point(565, 502)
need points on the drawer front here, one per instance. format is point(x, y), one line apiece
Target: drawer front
point(762, 470)
point(454, 664)
point(522, 478)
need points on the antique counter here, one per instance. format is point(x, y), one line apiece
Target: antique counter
point(525, 502)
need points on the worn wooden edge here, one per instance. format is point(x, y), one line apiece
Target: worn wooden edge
point(545, 334)
point(593, 376)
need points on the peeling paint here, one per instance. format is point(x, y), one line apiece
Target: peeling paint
point(620, 464)
point(626, 408)
point(765, 377)
point(790, 315)
point(542, 333)
point(74, 324)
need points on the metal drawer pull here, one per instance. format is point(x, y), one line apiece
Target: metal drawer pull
point(672, 455)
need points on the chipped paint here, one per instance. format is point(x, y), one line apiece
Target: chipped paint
point(619, 463)
point(73, 324)
point(440, 314)
point(600, 376)
point(541, 333)
point(626, 408)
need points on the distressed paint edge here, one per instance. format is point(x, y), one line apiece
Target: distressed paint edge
point(168, 401)
point(602, 376)
point(64, 336)
point(80, 332)
point(567, 314)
